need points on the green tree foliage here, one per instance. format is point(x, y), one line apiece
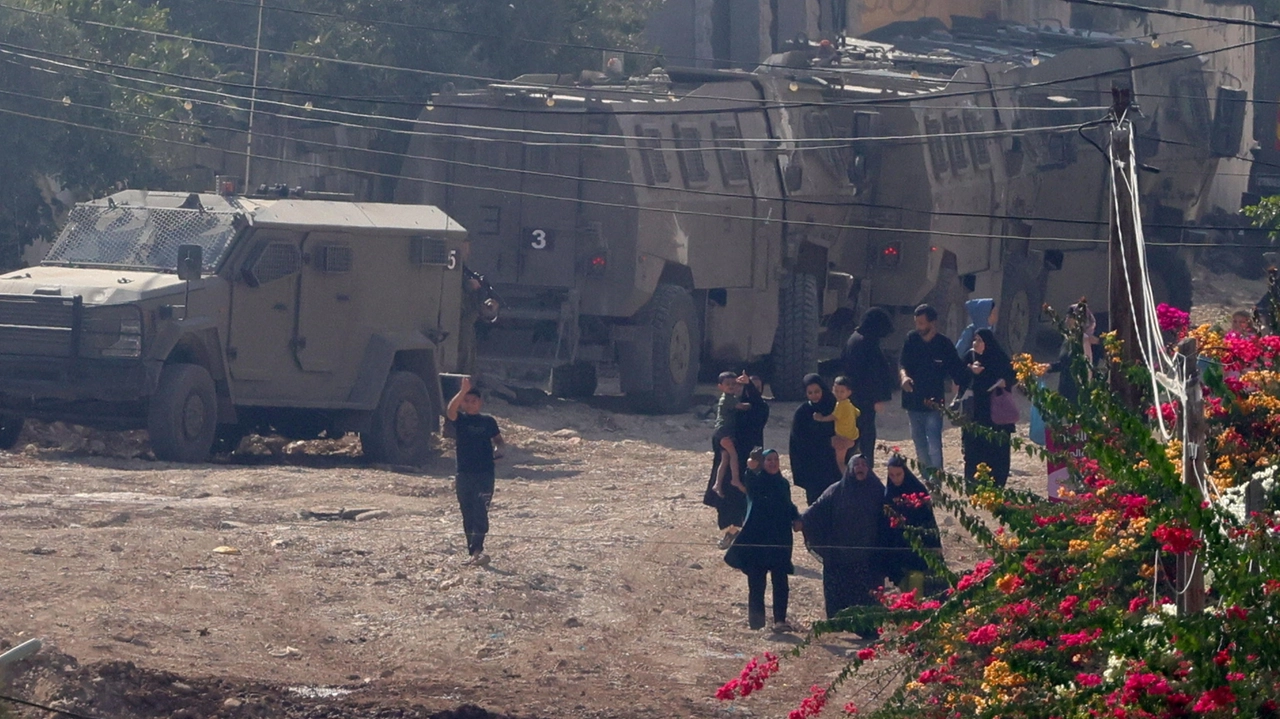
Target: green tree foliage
point(112, 116)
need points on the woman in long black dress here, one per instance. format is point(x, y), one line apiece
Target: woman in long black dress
point(813, 464)
point(731, 507)
point(990, 371)
point(846, 527)
point(763, 547)
point(910, 508)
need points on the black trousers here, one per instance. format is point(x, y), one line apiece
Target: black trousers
point(755, 596)
point(475, 491)
point(867, 433)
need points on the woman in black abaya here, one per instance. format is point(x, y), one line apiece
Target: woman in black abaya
point(910, 509)
point(989, 371)
point(813, 464)
point(763, 547)
point(846, 527)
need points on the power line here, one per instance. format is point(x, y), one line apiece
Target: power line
point(1113, 4)
point(763, 102)
point(641, 208)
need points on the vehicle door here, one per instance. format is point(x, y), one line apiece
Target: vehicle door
point(264, 292)
point(486, 172)
point(548, 233)
point(326, 310)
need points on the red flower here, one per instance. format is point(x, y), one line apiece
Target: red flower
point(984, 635)
point(1094, 604)
point(1237, 612)
point(1214, 699)
point(1134, 505)
point(904, 602)
point(1030, 645)
point(850, 708)
point(1235, 676)
point(979, 574)
point(1136, 604)
point(1176, 539)
point(867, 654)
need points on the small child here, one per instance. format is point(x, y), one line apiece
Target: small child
point(726, 426)
point(1242, 323)
point(845, 415)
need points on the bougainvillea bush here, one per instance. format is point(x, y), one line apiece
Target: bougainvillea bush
point(1074, 613)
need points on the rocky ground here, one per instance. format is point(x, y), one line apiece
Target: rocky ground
point(290, 580)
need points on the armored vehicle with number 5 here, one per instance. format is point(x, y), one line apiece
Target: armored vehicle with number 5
point(203, 317)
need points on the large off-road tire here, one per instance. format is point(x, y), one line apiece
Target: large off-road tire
point(183, 415)
point(677, 346)
point(10, 430)
point(1170, 277)
point(574, 380)
point(1021, 296)
point(400, 429)
point(795, 343)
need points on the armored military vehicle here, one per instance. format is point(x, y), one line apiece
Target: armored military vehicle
point(207, 316)
point(711, 218)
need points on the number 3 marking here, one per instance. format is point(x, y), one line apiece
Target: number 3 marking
point(539, 240)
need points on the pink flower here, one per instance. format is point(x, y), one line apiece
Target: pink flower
point(1030, 645)
point(979, 574)
point(1214, 699)
point(984, 635)
point(751, 679)
point(1068, 606)
point(812, 704)
point(1172, 319)
point(1237, 612)
point(1088, 680)
point(1080, 638)
point(1136, 604)
point(850, 708)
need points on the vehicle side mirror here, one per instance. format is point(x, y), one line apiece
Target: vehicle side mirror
point(190, 262)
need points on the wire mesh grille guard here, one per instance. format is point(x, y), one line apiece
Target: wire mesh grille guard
point(140, 237)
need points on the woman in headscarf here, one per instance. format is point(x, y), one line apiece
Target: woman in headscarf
point(813, 464)
point(990, 371)
point(910, 509)
point(873, 375)
point(846, 527)
point(731, 507)
point(763, 547)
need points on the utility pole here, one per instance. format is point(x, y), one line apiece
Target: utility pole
point(253, 98)
point(1195, 472)
point(1126, 275)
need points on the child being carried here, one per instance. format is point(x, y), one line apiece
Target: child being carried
point(845, 415)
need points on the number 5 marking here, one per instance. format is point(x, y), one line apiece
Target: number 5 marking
point(539, 240)
point(453, 260)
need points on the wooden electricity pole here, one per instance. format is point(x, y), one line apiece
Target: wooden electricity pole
point(1126, 275)
point(1195, 472)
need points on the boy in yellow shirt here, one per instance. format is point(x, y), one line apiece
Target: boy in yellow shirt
point(845, 415)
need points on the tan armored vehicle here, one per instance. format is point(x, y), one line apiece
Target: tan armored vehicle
point(203, 317)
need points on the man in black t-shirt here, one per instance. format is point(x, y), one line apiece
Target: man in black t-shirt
point(477, 435)
point(928, 359)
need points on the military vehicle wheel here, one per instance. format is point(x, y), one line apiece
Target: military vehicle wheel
point(1170, 278)
point(10, 430)
point(1019, 308)
point(183, 415)
point(400, 431)
point(795, 344)
point(574, 380)
point(677, 345)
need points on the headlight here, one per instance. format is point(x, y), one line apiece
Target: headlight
point(112, 332)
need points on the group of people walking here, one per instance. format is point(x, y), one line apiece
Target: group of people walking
point(857, 524)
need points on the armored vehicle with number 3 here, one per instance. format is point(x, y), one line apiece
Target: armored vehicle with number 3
point(722, 219)
point(203, 317)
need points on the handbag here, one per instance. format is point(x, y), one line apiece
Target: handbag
point(1004, 410)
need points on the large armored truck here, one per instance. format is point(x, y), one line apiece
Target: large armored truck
point(709, 219)
point(207, 316)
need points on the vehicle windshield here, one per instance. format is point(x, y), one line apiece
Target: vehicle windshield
point(144, 238)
